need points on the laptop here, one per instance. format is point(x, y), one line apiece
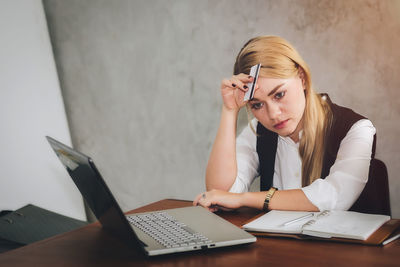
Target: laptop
point(155, 233)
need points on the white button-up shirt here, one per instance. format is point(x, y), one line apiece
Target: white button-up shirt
point(338, 191)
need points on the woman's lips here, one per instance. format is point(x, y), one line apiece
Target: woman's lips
point(281, 124)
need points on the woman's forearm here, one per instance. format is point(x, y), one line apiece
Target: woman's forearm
point(293, 199)
point(222, 168)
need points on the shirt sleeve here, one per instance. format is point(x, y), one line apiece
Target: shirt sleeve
point(349, 174)
point(247, 160)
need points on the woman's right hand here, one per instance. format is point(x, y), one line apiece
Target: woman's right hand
point(233, 91)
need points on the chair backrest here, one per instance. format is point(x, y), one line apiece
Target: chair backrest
point(374, 198)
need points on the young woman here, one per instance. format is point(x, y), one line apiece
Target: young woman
point(310, 154)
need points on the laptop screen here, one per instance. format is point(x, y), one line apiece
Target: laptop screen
point(94, 190)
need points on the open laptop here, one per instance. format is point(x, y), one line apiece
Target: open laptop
point(155, 233)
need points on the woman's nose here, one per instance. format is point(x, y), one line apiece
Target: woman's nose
point(273, 111)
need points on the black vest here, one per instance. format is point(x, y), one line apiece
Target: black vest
point(267, 142)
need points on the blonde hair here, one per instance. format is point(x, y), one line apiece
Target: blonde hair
point(279, 59)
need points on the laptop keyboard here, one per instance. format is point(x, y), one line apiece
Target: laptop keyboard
point(167, 230)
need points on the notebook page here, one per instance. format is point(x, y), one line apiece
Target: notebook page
point(346, 224)
point(273, 222)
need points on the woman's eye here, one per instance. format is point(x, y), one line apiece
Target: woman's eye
point(280, 95)
point(257, 105)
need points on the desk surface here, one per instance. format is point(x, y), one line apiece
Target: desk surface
point(90, 245)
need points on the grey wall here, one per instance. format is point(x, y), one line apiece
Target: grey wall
point(140, 79)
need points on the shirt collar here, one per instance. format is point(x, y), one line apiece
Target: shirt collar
point(290, 141)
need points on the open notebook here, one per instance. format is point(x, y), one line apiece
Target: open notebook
point(326, 224)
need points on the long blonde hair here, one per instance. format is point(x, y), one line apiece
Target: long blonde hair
point(279, 59)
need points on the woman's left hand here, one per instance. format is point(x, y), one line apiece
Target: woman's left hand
point(218, 199)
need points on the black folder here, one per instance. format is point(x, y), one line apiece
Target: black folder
point(31, 223)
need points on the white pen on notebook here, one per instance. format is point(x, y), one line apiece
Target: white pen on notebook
point(387, 241)
point(298, 219)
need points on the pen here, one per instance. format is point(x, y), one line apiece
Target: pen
point(298, 219)
point(387, 241)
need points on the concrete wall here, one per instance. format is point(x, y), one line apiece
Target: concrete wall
point(140, 79)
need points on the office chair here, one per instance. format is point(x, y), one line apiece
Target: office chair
point(375, 196)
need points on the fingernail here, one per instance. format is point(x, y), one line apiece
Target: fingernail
point(234, 85)
point(250, 76)
point(245, 86)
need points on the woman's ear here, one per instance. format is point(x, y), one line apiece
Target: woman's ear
point(302, 76)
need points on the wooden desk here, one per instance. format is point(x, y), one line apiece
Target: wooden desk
point(90, 245)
